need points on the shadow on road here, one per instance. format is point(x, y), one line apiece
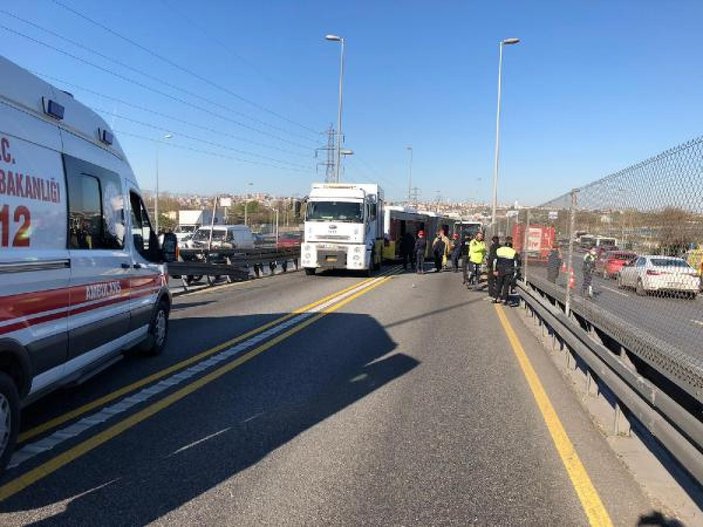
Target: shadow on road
point(223, 428)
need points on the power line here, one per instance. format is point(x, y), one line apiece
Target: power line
point(149, 88)
point(207, 152)
point(193, 22)
point(204, 141)
point(148, 75)
point(186, 70)
point(166, 116)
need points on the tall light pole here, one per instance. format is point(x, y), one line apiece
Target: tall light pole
point(276, 228)
point(156, 202)
point(336, 38)
point(410, 174)
point(506, 42)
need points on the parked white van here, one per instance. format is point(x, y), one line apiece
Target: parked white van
point(81, 271)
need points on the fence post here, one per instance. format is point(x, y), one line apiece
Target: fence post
point(570, 258)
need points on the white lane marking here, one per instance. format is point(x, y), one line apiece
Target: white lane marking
point(699, 322)
point(202, 440)
point(253, 417)
point(62, 435)
point(614, 291)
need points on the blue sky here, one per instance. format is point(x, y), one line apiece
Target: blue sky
point(593, 87)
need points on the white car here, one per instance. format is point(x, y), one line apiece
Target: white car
point(650, 273)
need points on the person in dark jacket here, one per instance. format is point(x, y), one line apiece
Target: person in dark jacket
point(589, 268)
point(407, 245)
point(438, 251)
point(457, 248)
point(504, 267)
point(553, 264)
point(420, 249)
point(490, 259)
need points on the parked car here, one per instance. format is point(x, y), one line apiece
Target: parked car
point(609, 264)
point(660, 273)
point(290, 239)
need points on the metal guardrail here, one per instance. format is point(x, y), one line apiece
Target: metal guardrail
point(677, 366)
point(673, 424)
point(233, 264)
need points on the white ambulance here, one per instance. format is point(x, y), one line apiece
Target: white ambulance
point(82, 277)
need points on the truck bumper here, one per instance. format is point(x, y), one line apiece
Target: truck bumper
point(328, 256)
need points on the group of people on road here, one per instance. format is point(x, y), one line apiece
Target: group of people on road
point(414, 250)
point(501, 260)
point(502, 263)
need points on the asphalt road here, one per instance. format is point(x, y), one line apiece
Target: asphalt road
point(675, 320)
point(400, 402)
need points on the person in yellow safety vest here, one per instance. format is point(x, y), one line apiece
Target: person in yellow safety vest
point(504, 266)
point(477, 254)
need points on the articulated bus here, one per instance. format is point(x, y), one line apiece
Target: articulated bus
point(399, 220)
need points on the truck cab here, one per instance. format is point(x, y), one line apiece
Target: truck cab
point(343, 227)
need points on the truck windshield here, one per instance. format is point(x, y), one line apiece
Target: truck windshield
point(334, 211)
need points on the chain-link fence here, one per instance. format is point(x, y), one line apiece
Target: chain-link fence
point(626, 254)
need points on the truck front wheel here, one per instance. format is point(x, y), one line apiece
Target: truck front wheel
point(309, 271)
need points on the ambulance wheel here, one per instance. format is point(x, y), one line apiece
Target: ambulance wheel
point(158, 331)
point(9, 418)
point(309, 271)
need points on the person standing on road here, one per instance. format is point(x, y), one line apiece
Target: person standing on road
point(589, 267)
point(457, 246)
point(407, 244)
point(504, 265)
point(477, 254)
point(438, 251)
point(553, 264)
point(447, 248)
point(420, 249)
point(490, 261)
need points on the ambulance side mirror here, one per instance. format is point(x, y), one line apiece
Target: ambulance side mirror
point(169, 247)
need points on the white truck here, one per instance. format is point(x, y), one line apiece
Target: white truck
point(343, 227)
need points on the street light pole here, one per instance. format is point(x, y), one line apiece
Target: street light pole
point(410, 174)
point(336, 38)
point(507, 42)
point(246, 204)
point(156, 201)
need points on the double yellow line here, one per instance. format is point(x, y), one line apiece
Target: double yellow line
point(97, 403)
point(16, 485)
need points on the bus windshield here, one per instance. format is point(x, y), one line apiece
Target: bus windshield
point(345, 211)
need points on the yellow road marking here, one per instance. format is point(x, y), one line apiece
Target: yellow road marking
point(57, 421)
point(16, 485)
point(587, 494)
